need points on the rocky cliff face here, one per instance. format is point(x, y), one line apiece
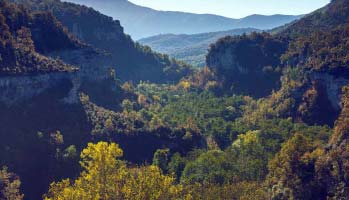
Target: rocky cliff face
point(333, 86)
point(247, 63)
point(24, 72)
point(312, 53)
point(16, 89)
point(226, 59)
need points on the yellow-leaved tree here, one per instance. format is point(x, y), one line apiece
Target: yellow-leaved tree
point(104, 177)
point(150, 183)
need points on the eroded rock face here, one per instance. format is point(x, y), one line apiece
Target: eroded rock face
point(227, 60)
point(333, 87)
point(93, 67)
point(249, 63)
point(317, 98)
point(14, 89)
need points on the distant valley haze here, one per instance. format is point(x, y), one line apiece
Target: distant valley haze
point(235, 8)
point(140, 21)
point(192, 48)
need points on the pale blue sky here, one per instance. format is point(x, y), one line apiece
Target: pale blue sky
point(236, 8)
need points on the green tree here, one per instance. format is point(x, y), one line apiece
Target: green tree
point(176, 165)
point(209, 167)
point(70, 152)
point(249, 157)
point(127, 105)
point(161, 159)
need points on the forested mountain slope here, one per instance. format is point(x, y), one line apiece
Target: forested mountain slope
point(131, 60)
point(313, 58)
point(22, 42)
point(324, 19)
point(45, 110)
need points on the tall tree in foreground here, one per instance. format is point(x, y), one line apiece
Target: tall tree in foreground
point(102, 176)
point(105, 177)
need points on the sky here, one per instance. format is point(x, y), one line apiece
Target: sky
point(236, 8)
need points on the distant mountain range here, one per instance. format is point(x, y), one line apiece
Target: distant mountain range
point(141, 22)
point(189, 48)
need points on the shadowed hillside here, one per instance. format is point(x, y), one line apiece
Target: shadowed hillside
point(131, 60)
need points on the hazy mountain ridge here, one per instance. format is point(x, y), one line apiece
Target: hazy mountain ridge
point(141, 22)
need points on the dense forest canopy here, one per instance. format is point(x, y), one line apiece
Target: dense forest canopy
point(266, 119)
